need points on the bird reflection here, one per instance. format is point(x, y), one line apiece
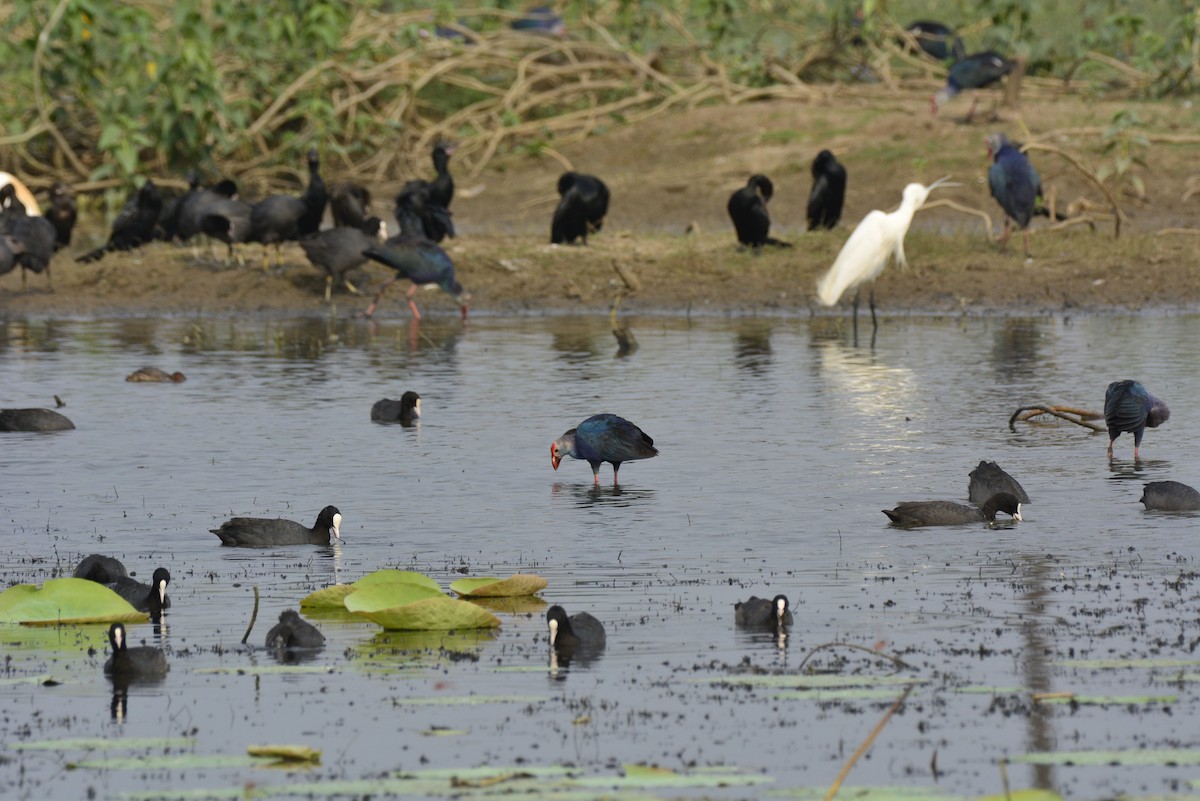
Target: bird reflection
point(119, 708)
point(752, 347)
point(1016, 349)
point(586, 495)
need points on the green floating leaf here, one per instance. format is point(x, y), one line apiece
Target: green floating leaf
point(844, 694)
point(1142, 757)
point(523, 605)
point(438, 731)
point(423, 647)
point(171, 762)
point(1023, 795)
point(258, 670)
point(652, 776)
point(334, 597)
point(1101, 700)
point(1113, 664)
point(432, 614)
point(378, 597)
point(812, 682)
point(68, 639)
point(867, 794)
point(397, 577)
point(104, 743)
point(66, 600)
point(514, 586)
point(286, 753)
point(469, 700)
point(328, 598)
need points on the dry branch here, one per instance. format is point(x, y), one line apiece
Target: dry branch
point(1072, 414)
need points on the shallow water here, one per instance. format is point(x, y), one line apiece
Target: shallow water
point(780, 442)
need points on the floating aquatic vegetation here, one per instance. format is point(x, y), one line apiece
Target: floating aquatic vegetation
point(286, 753)
point(814, 682)
point(334, 596)
point(104, 743)
point(1139, 756)
point(515, 586)
point(414, 607)
point(66, 601)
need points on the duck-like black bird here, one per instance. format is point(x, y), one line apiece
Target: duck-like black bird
point(756, 612)
point(101, 569)
point(150, 597)
point(417, 215)
point(286, 218)
point(350, 204)
point(62, 213)
point(582, 206)
point(259, 532)
point(828, 193)
point(34, 420)
point(747, 208)
point(404, 411)
point(167, 229)
point(198, 204)
point(337, 251)
point(126, 662)
point(1129, 408)
point(976, 71)
point(292, 631)
point(135, 224)
point(579, 631)
point(603, 438)
point(33, 239)
point(988, 479)
point(949, 513)
point(1170, 496)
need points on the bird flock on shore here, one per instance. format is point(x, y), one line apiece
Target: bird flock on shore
point(421, 209)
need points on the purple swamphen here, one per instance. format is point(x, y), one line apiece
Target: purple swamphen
point(1015, 184)
point(976, 71)
point(603, 438)
point(1129, 408)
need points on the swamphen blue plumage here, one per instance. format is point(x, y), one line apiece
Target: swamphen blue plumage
point(1129, 408)
point(828, 192)
point(976, 71)
point(416, 258)
point(582, 205)
point(540, 20)
point(603, 438)
point(936, 40)
point(135, 223)
point(747, 208)
point(1015, 184)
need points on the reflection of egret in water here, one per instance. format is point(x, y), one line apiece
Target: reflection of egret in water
point(1016, 348)
point(589, 495)
point(870, 396)
point(752, 347)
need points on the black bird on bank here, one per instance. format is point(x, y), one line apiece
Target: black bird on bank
point(228, 220)
point(135, 224)
point(582, 206)
point(748, 209)
point(828, 193)
point(976, 71)
point(167, 229)
point(350, 204)
point(404, 411)
point(420, 261)
point(337, 251)
point(62, 213)
point(936, 40)
point(1015, 185)
point(33, 239)
point(441, 188)
point(419, 215)
point(198, 204)
point(286, 218)
point(9, 250)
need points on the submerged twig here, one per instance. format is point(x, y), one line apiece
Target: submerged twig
point(866, 744)
point(893, 659)
point(1082, 417)
point(253, 617)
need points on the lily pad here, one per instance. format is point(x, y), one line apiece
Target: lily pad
point(1138, 756)
point(66, 600)
point(104, 743)
point(432, 614)
point(333, 597)
point(1031, 794)
point(286, 753)
point(378, 597)
point(523, 605)
point(397, 577)
point(514, 586)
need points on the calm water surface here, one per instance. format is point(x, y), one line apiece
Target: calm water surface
point(780, 442)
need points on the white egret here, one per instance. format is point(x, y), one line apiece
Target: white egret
point(866, 252)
